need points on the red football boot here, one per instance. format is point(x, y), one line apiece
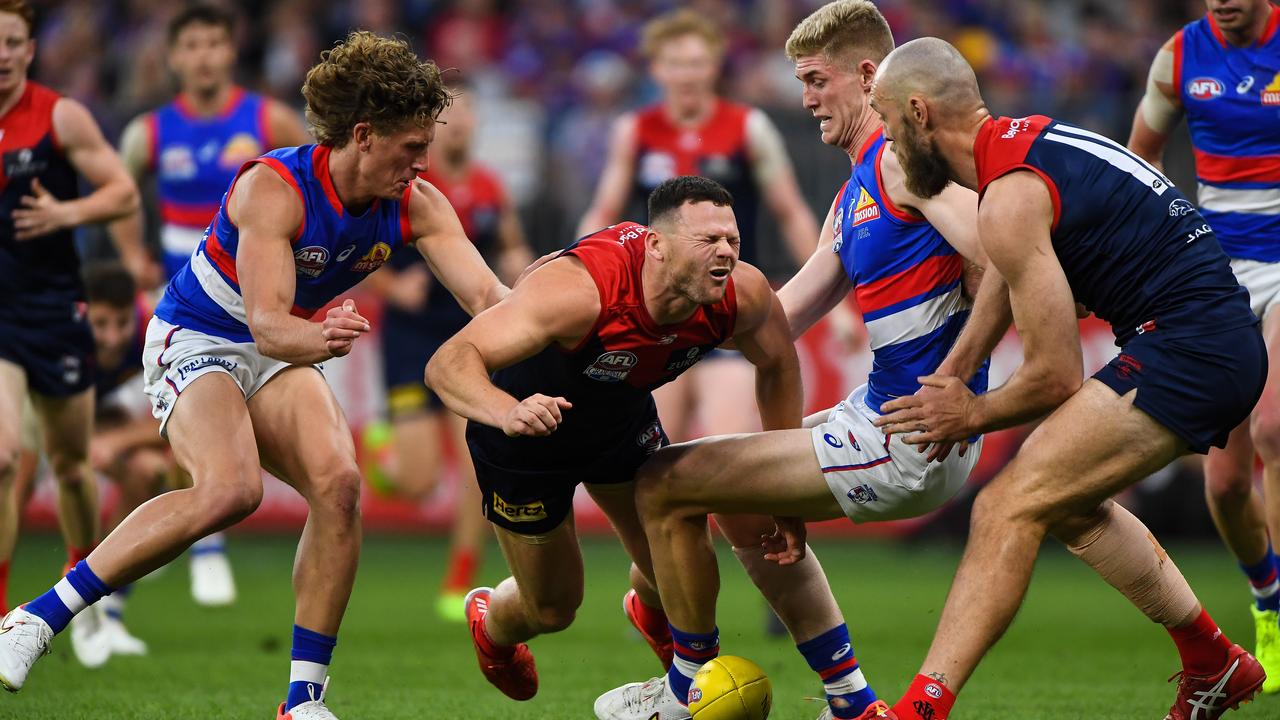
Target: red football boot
point(877, 710)
point(661, 645)
point(515, 675)
point(1208, 697)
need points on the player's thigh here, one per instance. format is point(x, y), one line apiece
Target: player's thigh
point(13, 393)
point(548, 567)
point(67, 424)
point(211, 433)
point(302, 434)
point(773, 473)
point(1094, 445)
point(725, 392)
point(417, 442)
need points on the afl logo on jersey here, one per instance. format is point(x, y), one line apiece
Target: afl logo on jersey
point(656, 168)
point(651, 438)
point(1205, 88)
point(613, 366)
point(311, 260)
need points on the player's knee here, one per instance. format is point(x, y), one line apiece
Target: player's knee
point(1005, 500)
point(228, 502)
point(1264, 429)
point(337, 492)
point(1227, 482)
point(70, 470)
point(554, 617)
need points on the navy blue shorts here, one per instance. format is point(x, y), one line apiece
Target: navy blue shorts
point(1200, 387)
point(55, 350)
point(532, 501)
point(405, 352)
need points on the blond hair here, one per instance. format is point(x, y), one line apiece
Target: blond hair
point(678, 23)
point(840, 29)
point(372, 79)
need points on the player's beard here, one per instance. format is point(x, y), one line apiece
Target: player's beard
point(926, 171)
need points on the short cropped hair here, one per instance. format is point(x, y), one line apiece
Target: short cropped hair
point(372, 79)
point(678, 23)
point(672, 194)
point(839, 28)
point(22, 9)
point(107, 281)
point(200, 14)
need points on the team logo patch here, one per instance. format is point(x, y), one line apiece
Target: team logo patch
point(651, 438)
point(863, 494)
point(311, 260)
point(613, 366)
point(866, 209)
point(1180, 207)
point(838, 228)
point(1271, 93)
point(373, 259)
point(531, 512)
point(695, 694)
point(1205, 88)
point(854, 442)
point(240, 149)
point(933, 691)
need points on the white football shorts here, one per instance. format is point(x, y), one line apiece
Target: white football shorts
point(1262, 280)
point(877, 478)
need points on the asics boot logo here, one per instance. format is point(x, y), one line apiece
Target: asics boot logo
point(1208, 700)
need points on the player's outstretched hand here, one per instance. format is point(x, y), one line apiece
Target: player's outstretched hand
point(535, 416)
point(341, 327)
point(41, 213)
point(786, 546)
point(939, 412)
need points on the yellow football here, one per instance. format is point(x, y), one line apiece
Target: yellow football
point(730, 688)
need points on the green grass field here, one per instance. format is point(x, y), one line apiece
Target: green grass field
point(1076, 651)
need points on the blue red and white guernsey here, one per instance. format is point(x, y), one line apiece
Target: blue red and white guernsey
point(717, 149)
point(907, 281)
point(43, 273)
point(609, 377)
point(332, 250)
point(195, 158)
point(1136, 252)
point(1232, 101)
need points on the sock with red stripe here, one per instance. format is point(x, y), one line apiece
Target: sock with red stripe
point(4, 587)
point(462, 569)
point(831, 656)
point(1264, 581)
point(693, 650)
point(926, 699)
point(1202, 645)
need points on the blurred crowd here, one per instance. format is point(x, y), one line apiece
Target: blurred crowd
point(551, 75)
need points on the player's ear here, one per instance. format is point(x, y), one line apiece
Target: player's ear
point(918, 111)
point(362, 136)
point(866, 74)
point(654, 245)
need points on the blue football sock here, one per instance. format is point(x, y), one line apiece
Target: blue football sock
point(831, 656)
point(1264, 581)
point(692, 650)
point(312, 653)
point(73, 593)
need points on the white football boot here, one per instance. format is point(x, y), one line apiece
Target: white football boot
point(23, 639)
point(649, 700)
point(119, 639)
point(212, 584)
point(313, 709)
point(89, 640)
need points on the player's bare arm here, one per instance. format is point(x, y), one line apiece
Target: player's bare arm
point(1014, 223)
point(115, 194)
point(557, 304)
point(285, 126)
point(615, 182)
point(268, 212)
point(453, 258)
point(763, 336)
point(1159, 111)
point(127, 232)
point(777, 181)
point(819, 286)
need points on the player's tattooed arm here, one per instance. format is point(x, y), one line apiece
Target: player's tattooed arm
point(453, 258)
point(558, 304)
point(764, 338)
point(940, 677)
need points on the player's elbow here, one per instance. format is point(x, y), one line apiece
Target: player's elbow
point(439, 366)
point(1055, 385)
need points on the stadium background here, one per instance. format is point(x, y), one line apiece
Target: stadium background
point(549, 76)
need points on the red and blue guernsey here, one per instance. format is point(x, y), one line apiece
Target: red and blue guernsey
point(1135, 251)
point(610, 376)
point(717, 149)
point(1232, 101)
point(907, 281)
point(195, 158)
point(332, 251)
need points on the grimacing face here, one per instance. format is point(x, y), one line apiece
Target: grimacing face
point(833, 96)
point(926, 171)
point(686, 68)
point(702, 244)
point(113, 329)
point(395, 159)
point(203, 57)
point(17, 50)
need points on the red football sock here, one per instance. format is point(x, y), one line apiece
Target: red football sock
point(1202, 645)
point(490, 648)
point(926, 699)
point(75, 555)
point(461, 572)
point(653, 620)
point(4, 587)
